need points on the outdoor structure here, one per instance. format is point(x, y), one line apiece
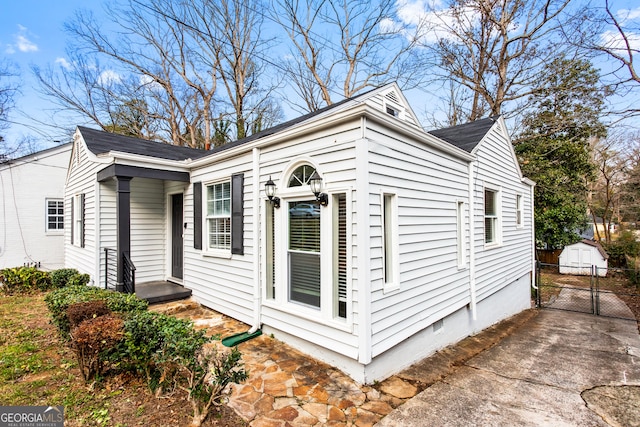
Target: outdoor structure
point(581, 257)
point(349, 233)
point(32, 209)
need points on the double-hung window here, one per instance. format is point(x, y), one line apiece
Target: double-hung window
point(219, 216)
point(519, 218)
point(55, 215)
point(491, 217)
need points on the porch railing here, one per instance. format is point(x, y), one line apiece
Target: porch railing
point(111, 272)
point(110, 268)
point(128, 274)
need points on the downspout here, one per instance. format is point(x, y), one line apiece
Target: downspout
point(472, 258)
point(257, 251)
point(365, 338)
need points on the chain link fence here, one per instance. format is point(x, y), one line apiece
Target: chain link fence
point(610, 292)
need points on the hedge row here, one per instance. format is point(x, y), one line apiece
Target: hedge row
point(24, 280)
point(111, 332)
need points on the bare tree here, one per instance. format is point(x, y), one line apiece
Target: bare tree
point(605, 190)
point(340, 47)
point(613, 35)
point(494, 49)
point(8, 90)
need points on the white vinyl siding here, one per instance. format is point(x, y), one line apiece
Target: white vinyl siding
point(499, 266)
point(425, 182)
point(82, 180)
point(148, 229)
point(223, 282)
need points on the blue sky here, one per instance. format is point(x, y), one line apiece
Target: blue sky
point(31, 33)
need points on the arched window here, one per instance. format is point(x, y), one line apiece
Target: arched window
point(300, 176)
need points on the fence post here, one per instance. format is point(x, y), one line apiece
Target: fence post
point(595, 269)
point(538, 283)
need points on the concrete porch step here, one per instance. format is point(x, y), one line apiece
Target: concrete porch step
point(160, 291)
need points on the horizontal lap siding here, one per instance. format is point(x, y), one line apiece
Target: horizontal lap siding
point(427, 184)
point(224, 284)
point(497, 267)
point(148, 228)
point(108, 222)
point(334, 155)
point(82, 180)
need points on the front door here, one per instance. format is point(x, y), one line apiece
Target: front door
point(176, 236)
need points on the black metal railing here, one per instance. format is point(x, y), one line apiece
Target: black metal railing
point(110, 268)
point(128, 274)
point(128, 284)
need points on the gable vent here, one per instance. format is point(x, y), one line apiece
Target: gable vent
point(393, 96)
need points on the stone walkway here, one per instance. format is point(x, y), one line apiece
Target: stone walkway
point(287, 388)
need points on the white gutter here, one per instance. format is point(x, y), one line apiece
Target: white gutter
point(257, 300)
point(472, 252)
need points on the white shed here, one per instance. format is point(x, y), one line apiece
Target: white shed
point(580, 257)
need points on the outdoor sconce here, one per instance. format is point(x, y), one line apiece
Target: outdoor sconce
point(315, 182)
point(270, 189)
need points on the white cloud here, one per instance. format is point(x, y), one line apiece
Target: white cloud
point(63, 63)
point(22, 42)
point(625, 15)
point(108, 76)
point(613, 40)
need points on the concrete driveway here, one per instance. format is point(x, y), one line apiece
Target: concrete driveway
point(559, 369)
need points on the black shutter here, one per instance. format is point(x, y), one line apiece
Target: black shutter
point(197, 215)
point(72, 216)
point(82, 220)
point(237, 217)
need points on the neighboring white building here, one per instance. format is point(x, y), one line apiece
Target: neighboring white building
point(32, 209)
point(581, 257)
point(424, 239)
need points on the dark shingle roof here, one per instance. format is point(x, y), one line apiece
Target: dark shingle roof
point(100, 142)
point(466, 136)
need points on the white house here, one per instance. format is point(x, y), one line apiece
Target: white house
point(581, 257)
point(31, 209)
point(414, 241)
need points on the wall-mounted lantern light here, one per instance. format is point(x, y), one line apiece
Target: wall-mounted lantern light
point(315, 182)
point(270, 189)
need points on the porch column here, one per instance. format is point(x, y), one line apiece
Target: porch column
point(123, 216)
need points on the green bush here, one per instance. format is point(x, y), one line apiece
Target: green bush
point(172, 354)
point(619, 250)
point(21, 280)
point(154, 342)
point(59, 300)
point(60, 278)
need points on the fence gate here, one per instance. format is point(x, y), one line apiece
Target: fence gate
point(581, 293)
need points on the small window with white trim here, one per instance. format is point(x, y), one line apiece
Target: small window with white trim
point(218, 219)
point(460, 236)
point(491, 216)
point(390, 241)
point(519, 219)
point(55, 215)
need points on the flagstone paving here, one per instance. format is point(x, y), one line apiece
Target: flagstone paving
point(287, 388)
